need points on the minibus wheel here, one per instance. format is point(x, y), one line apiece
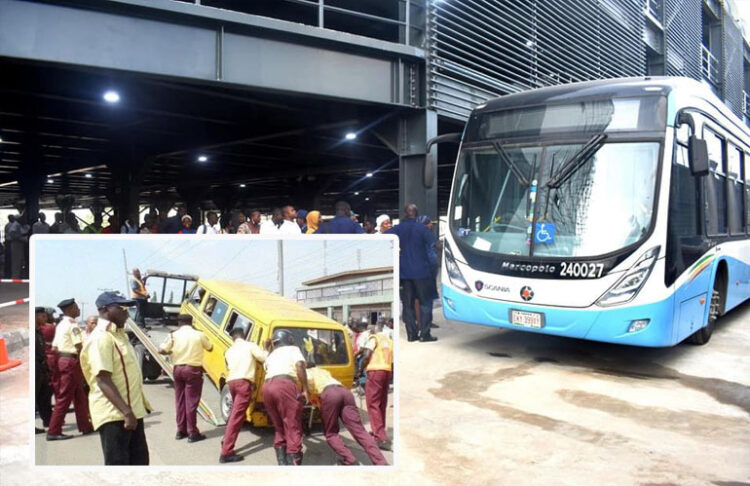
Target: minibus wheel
point(702, 335)
point(225, 403)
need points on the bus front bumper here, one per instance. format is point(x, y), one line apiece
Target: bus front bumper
point(607, 324)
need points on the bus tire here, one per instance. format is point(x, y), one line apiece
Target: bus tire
point(225, 403)
point(703, 335)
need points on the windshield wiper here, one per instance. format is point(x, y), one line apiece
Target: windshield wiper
point(509, 162)
point(577, 161)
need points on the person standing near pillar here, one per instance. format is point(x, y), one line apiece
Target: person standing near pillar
point(241, 359)
point(285, 368)
point(17, 240)
point(40, 227)
point(138, 293)
point(337, 402)
point(68, 343)
point(377, 360)
point(118, 404)
point(186, 345)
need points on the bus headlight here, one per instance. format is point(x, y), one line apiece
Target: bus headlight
point(629, 284)
point(454, 274)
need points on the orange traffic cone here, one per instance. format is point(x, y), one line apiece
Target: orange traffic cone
point(5, 363)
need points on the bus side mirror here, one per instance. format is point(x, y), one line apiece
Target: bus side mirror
point(430, 162)
point(698, 156)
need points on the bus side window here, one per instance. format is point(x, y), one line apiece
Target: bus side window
point(735, 190)
point(746, 174)
point(716, 196)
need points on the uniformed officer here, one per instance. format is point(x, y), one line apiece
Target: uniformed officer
point(186, 345)
point(285, 373)
point(337, 402)
point(67, 343)
point(140, 296)
point(241, 359)
point(377, 360)
point(41, 372)
point(118, 404)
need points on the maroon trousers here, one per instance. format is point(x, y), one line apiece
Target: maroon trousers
point(336, 402)
point(376, 396)
point(283, 405)
point(54, 374)
point(242, 394)
point(70, 389)
point(188, 385)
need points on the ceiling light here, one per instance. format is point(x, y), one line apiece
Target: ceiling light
point(356, 193)
point(369, 174)
point(88, 176)
point(242, 185)
point(1, 139)
point(202, 158)
point(367, 199)
point(350, 136)
point(111, 97)
point(50, 181)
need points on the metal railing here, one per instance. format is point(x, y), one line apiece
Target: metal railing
point(709, 66)
point(746, 103)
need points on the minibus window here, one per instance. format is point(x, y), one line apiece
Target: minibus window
point(196, 296)
point(215, 309)
point(323, 346)
point(236, 319)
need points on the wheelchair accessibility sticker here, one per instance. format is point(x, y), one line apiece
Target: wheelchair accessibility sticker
point(544, 233)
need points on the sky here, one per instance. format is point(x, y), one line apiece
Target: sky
point(742, 10)
point(84, 267)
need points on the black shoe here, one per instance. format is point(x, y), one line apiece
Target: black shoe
point(59, 437)
point(196, 437)
point(427, 339)
point(434, 326)
point(385, 446)
point(294, 459)
point(341, 462)
point(180, 435)
point(88, 432)
point(37, 431)
point(281, 456)
point(411, 338)
point(230, 458)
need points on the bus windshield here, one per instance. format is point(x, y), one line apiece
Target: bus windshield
point(568, 200)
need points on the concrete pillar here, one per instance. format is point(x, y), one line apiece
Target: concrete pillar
point(31, 180)
point(414, 131)
point(345, 313)
point(329, 312)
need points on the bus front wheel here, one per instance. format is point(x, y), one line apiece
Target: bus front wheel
point(225, 403)
point(702, 335)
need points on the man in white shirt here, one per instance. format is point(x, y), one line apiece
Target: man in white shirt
point(241, 359)
point(211, 226)
point(278, 225)
point(285, 373)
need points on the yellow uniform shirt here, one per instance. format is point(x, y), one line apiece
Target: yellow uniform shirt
point(382, 352)
point(241, 358)
point(186, 346)
point(67, 335)
point(282, 361)
point(108, 349)
point(318, 379)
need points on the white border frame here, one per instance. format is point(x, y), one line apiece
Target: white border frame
point(217, 467)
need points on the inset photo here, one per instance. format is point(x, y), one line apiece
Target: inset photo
point(214, 350)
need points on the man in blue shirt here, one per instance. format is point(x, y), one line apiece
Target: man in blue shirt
point(417, 281)
point(342, 223)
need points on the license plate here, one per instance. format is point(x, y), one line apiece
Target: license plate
point(534, 320)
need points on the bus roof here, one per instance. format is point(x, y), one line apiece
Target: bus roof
point(264, 305)
point(601, 88)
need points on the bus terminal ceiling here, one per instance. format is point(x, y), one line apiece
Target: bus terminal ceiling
point(261, 149)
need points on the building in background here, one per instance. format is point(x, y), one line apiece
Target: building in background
point(356, 294)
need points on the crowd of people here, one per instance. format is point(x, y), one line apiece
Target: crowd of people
point(95, 368)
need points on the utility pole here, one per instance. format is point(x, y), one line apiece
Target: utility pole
point(125, 262)
point(83, 309)
point(280, 270)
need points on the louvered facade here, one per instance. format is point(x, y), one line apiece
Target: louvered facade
point(484, 48)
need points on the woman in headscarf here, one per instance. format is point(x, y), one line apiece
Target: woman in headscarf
point(313, 221)
point(383, 223)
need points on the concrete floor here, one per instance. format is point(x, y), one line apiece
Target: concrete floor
point(486, 406)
